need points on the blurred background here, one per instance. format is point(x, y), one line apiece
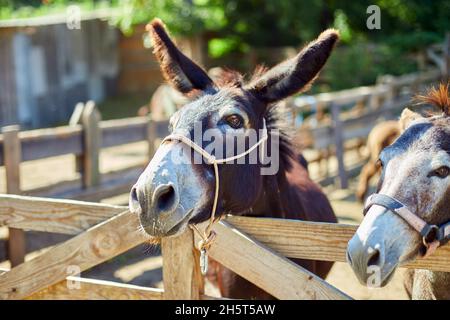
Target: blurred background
point(78, 80)
point(106, 55)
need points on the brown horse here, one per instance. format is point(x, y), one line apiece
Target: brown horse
point(413, 195)
point(175, 190)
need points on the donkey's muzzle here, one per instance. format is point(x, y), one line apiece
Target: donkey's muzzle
point(157, 207)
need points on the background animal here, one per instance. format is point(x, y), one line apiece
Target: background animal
point(170, 194)
point(381, 136)
point(166, 100)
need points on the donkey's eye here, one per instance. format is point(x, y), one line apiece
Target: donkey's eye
point(235, 121)
point(442, 172)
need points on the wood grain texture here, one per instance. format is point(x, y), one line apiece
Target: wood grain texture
point(53, 215)
point(319, 241)
point(12, 153)
point(181, 271)
point(260, 265)
point(94, 246)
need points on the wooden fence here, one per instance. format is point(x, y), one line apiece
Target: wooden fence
point(255, 248)
point(354, 113)
point(85, 137)
point(367, 104)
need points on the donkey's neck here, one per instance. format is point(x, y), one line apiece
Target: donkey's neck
point(430, 285)
point(276, 199)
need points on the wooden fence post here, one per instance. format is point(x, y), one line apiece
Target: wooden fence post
point(12, 153)
point(92, 141)
point(75, 119)
point(339, 143)
point(181, 268)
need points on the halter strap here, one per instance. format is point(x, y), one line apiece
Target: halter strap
point(433, 236)
point(208, 235)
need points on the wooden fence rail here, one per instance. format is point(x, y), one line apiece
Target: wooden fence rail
point(383, 101)
point(255, 248)
point(84, 137)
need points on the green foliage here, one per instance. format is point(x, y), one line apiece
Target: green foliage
point(13, 9)
point(361, 63)
point(233, 27)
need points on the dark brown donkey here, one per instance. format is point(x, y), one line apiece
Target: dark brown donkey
point(175, 191)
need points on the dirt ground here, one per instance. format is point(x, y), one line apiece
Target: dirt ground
point(143, 264)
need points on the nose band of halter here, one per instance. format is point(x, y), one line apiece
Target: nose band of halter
point(433, 236)
point(208, 235)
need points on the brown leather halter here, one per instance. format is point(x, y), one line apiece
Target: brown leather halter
point(433, 236)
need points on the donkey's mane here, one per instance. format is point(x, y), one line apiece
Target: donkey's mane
point(438, 97)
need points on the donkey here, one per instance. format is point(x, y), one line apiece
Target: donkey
point(409, 215)
point(168, 197)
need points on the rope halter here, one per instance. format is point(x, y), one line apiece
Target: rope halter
point(433, 236)
point(208, 235)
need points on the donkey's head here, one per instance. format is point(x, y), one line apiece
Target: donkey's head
point(174, 190)
point(416, 176)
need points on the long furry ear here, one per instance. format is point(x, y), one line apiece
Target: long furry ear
point(180, 71)
point(407, 117)
point(295, 74)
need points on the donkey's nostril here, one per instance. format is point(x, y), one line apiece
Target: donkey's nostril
point(134, 204)
point(374, 258)
point(165, 198)
point(134, 195)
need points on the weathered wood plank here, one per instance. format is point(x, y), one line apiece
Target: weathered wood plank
point(92, 144)
point(113, 183)
point(123, 131)
point(319, 241)
point(273, 273)
point(339, 143)
point(53, 215)
point(16, 245)
point(75, 120)
point(181, 272)
point(51, 142)
point(96, 245)
point(100, 290)
point(77, 288)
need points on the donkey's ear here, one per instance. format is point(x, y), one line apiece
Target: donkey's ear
point(407, 117)
point(180, 71)
point(295, 74)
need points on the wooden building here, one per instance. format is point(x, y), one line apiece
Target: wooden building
point(46, 68)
